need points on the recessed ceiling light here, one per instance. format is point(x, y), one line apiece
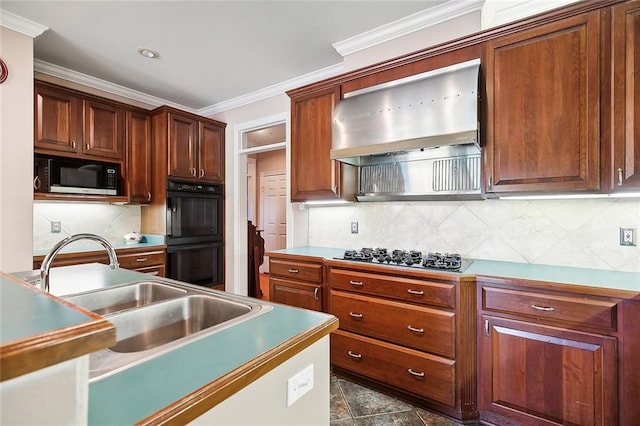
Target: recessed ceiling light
point(148, 53)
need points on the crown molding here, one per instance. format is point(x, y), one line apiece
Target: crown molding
point(18, 23)
point(416, 22)
point(106, 86)
point(273, 90)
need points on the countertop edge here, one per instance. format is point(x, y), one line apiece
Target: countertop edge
point(204, 399)
point(26, 355)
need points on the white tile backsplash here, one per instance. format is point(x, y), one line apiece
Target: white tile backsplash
point(107, 220)
point(582, 233)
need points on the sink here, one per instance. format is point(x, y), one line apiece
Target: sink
point(154, 317)
point(106, 301)
point(162, 323)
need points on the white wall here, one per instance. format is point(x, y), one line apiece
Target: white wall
point(16, 152)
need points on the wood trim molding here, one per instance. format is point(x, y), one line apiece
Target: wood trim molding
point(204, 399)
point(35, 352)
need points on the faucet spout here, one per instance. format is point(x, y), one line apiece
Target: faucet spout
point(48, 260)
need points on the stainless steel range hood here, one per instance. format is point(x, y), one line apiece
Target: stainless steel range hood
point(414, 138)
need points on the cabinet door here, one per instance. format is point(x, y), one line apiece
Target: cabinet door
point(139, 157)
point(626, 98)
point(295, 293)
point(314, 176)
point(543, 110)
point(57, 120)
point(104, 130)
point(211, 153)
point(183, 134)
point(544, 375)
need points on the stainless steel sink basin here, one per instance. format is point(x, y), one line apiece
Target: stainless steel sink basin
point(162, 323)
point(154, 317)
point(120, 298)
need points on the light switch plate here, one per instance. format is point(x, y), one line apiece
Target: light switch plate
point(299, 384)
point(354, 227)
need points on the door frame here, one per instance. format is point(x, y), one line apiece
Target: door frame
point(240, 258)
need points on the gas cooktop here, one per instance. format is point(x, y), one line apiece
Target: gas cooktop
point(449, 262)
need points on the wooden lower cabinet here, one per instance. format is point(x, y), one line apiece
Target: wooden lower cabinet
point(533, 374)
point(146, 260)
point(297, 281)
point(409, 332)
point(553, 354)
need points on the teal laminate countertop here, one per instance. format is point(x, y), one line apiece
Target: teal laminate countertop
point(602, 278)
point(138, 392)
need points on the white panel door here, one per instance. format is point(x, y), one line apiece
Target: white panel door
point(273, 211)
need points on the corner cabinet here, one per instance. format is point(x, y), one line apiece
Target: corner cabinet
point(543, 114)
point(71, 124)
point(195, 145)
point(550, 354)
point(314, 176)
point(296, 282)
point(626, 96)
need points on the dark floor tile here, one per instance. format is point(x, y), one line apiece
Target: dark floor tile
point(338, 406)
point(363, 401)
point(432, 419)
point(404, 418)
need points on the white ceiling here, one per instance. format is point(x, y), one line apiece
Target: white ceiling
point(210, 51)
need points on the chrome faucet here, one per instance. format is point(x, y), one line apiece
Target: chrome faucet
point(48, 260)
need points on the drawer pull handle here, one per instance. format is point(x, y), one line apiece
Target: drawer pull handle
point(354, 355)
point(356, 283)
point(142, 259)
point(542, 308)
point(416, 292)
point(354, 315)
point(316, 293)
point(416, 330)
point(293, 271)
point(620, 177)
point(416, 373)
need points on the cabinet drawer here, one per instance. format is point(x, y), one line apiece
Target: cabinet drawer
point(141, 260)
point(294, 293)
point(409, 325)
point(591, 312)
point(422, 374)
point(296, 270)
point(413, 290)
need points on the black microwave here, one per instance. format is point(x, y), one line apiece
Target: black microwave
point(75, 176)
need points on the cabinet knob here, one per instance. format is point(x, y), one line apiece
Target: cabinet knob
point(620, 176)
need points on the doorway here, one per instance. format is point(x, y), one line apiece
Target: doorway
point(262, 176)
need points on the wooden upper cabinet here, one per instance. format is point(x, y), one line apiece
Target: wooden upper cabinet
point(543, 108)
point(104, 129)
point(57, 120)
point(626, 95)
point(196, 148)
point(211, 152)
point(67, 123)
point(183, 133)
point(139, 172)
point(314, 176)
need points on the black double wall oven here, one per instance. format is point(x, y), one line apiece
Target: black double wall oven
point(195, 232)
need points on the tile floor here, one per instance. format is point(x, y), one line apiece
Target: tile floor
point(356, 405)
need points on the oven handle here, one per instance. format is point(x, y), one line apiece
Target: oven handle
point(170, 211)
point(172, 249)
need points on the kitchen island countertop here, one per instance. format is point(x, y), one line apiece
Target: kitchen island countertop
point(203, 372)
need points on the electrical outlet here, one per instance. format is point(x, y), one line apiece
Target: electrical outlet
point(627, 236)
point(56, 226)
point(354, 227)
point(299, 384)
